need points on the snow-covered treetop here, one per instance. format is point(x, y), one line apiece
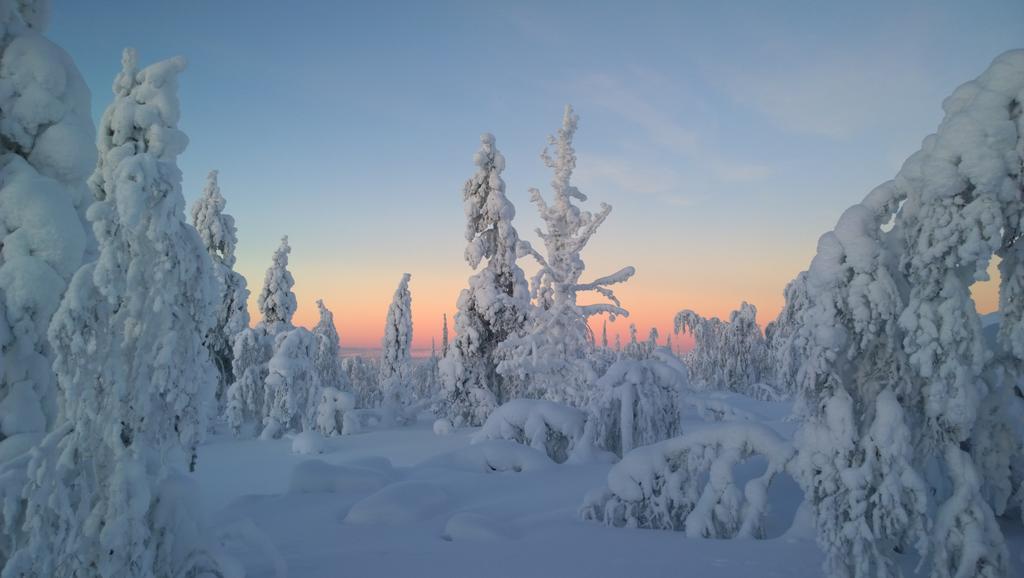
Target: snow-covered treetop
point(276, 300)
point(568, 230)
point(325, 326)
point(489, 230)
point(216, 228)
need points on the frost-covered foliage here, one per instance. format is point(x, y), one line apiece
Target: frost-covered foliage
point(637, 404)
point(393, 378)
point(276, 300)
point(292, 393)
point(550, 427)
point(244, 399)
point(135, 377)
point(362, 374)
point(46, 153)
point(731, 355)
point(494, 306)
point(687, 484)
point(327, 358)
point(217, 230)
point(889, 345)
point(553, 356)
point(331, 410)
point(785, 337)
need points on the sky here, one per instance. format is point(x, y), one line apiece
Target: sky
point(727, 136)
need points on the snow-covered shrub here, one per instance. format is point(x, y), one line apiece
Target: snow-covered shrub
point(636, 404)
point(552, 357)
point(330, 413)
point(494, 306)
point(253, 348)
point(687, 484)
point(550, 427)
point(217, 231)
point(729, 355)
point(134, 374)
point(395, 363)
point(47, 151)
point(292, 387)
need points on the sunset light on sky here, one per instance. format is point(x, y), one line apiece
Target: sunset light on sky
point(724, 158)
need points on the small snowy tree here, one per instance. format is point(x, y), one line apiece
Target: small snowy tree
point(552, 356)
point(276, 300)
point(394, 372)
point(362, 374)
point(135, 376)
point(327, 360)
point(292, 385)
point(217, 230)
point(496, 304)
point(253, 348)
point(731, 355)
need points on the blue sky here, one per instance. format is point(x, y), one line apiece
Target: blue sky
point(727, 136)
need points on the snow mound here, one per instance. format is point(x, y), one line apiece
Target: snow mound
point(472, 526)
point(309, 443)
point(491, 456)
point(399, 504)
point(550, 427)
point(442, 427)
point(356, 477)
point(687, 483)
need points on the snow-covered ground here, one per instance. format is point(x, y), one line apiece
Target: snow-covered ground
point(396, 505)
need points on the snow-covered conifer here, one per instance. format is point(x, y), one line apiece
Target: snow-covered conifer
point(292, 385)
point(394, 373)
point(604, 334)
point(217, 230)
point(496, 303)
point(276, 300)
point(553, 354)
point(135, 376)
point(731, 355)
point(46, 153)
point(327, 359)
point(444, 337)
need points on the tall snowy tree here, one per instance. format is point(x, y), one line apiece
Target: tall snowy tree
point(46, 153)
point(396, 355)
point(444, 336)
point(136, 379)
point(552, 356)
point(276, 300)
point(217, 230)
point(496, 304)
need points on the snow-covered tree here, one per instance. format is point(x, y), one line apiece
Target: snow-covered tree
point(292, 385)
point(786, 337)
point(362, 375)
point(135, 376)
point(276, 300)
point(604, 334)
point(552, 356)
point(897, 379)
point(731, 355)
point(46, 153)
point(496, 303)
point(444, 336)
point(253, 348)
point(217, 230)
point(327, 359)
point(394, 372)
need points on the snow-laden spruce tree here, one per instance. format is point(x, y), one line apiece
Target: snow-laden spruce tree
point(327, 360)
point(362, 374)
point(217, 230)
point(786, 336)
point(553, 356)
point(396, 355)
point(496, 303)
point(292, 392)
point(247, 399)
point(135, 377)
point(901, 449)
point(276, 300)
point(46, 153)
point(444, 336)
